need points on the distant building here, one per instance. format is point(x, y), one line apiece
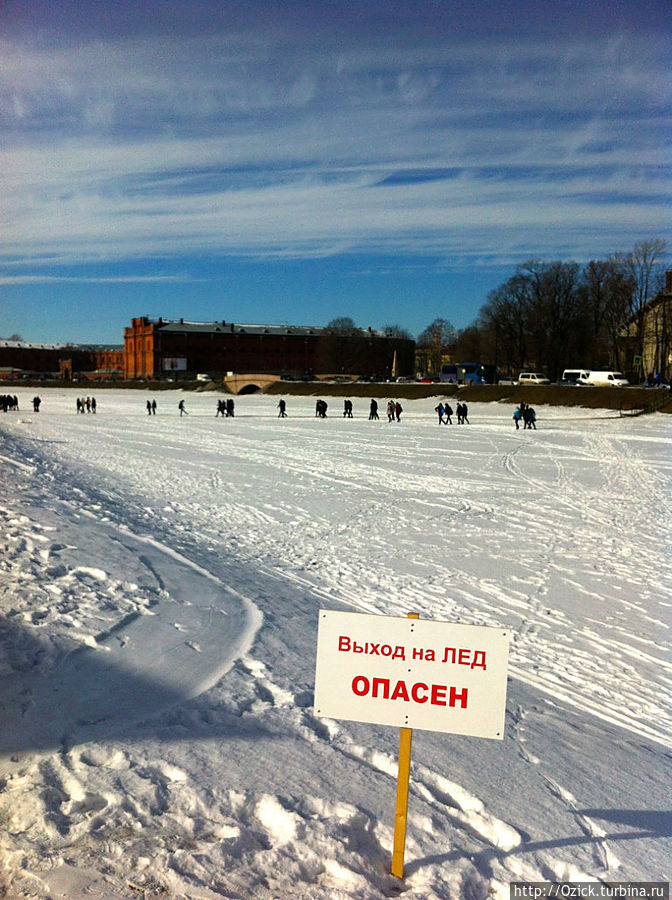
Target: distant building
point(93, 363)
point(645, 343)
point(159, 348)
point(22, 359)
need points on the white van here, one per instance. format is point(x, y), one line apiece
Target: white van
point(574, 376)
point(600, 379)
point(203, 376)
point(532, 378)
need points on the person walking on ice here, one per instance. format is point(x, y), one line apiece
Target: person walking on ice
point(181, 407)
point(282, 406)
point(530, 418)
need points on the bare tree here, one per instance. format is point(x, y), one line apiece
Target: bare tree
point(341, 323)
point(606, 292)
point(504, 316)
point(397, 331)
point(644, 268)
point(437, 338)
point(440, 330)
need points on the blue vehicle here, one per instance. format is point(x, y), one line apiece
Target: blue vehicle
point(449, 373)
point(468, 373)
point(472, 373)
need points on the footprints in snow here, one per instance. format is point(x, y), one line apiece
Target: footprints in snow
point(602, 854)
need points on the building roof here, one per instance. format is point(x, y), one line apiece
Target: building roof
point(236, 328)
point(27, 345)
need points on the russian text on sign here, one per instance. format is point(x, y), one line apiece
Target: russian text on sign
point(419, 692)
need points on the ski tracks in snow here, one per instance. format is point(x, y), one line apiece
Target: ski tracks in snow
point(254, 840)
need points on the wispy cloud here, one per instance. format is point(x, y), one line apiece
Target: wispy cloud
point(83, 279)
point(283, 142)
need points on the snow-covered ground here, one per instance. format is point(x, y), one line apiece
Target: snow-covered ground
point(160, 581)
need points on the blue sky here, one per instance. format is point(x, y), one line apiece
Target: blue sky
point(262, 161)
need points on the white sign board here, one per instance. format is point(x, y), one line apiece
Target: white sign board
point(413, 673)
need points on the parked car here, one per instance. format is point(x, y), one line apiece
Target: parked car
point(574, 376)
point(605, 378)
point(532, 378)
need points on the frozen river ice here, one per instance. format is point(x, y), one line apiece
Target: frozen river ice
point(159, 590)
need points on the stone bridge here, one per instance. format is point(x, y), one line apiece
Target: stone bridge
point(248, 384)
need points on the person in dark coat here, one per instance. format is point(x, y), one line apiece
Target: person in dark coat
point(439, 411)
point(282, 406)
point(181, 407)
point(36, 404)
point(448, 412)
point(373, 410)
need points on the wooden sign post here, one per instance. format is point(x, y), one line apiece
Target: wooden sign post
point(411, 673)
point(403, 778)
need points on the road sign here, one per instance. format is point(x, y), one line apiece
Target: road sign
point(412, 673)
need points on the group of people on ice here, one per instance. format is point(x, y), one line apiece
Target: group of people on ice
point(225, 408)
point(86, 405)
point(445, 409)
point(394, 411)
point(8, 402)
point(527, 414)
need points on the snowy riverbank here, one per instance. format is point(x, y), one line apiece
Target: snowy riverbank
point(159, 588)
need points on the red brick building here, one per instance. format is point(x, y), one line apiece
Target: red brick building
point(158, 348)
point(23, 359)
point(93, 363)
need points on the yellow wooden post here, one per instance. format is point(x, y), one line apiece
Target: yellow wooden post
point(403, 776)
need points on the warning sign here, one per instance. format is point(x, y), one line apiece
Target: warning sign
point(413, 673)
